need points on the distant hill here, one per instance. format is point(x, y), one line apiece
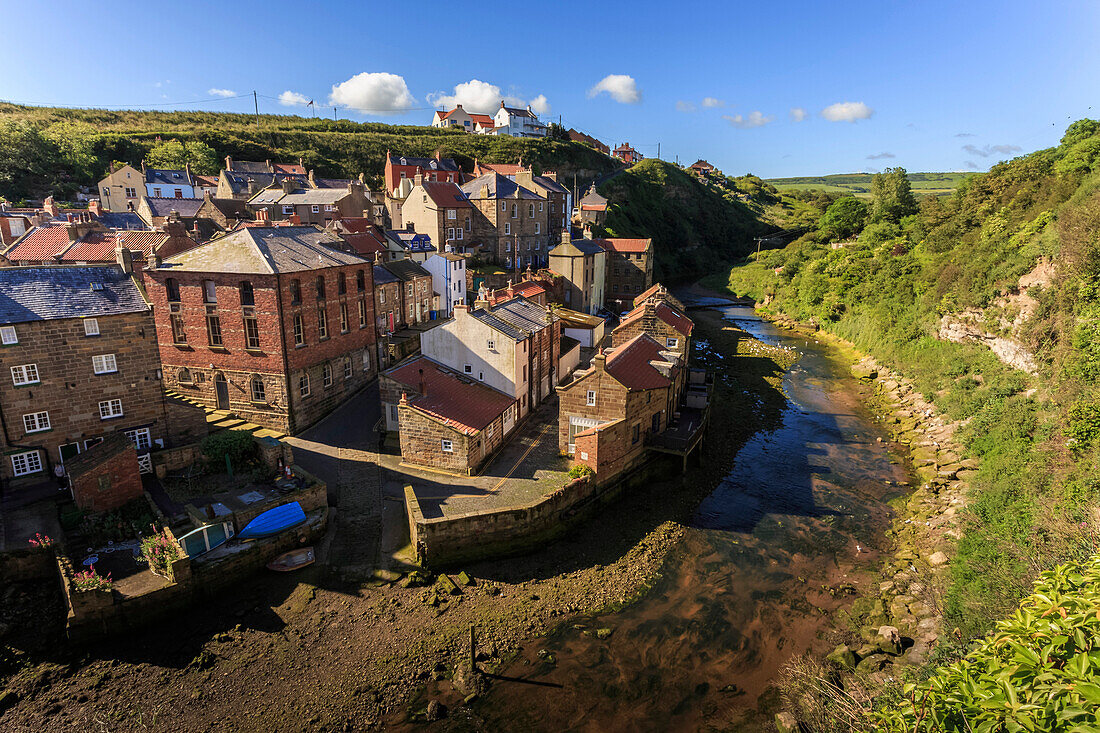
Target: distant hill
point(938, 184)
point(50, 150)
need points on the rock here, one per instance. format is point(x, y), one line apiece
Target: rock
point(937, 559)
point(899, 606)
point(866, 650)
point(920, 609)
point(864, 371)
point(886, 586)
point(447, 585)
point(843, 657)
point(889, 640)
point(436, 711)
point(603, 633)
point(464, 579)
point(786, 723)
point(872, 663)
point(918, 654)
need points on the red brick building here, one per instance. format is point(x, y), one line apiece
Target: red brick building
point(627, 154)
point(400, 167)
point(607, 413)
point(628, 271)
point(274, 324)
point(447, 421)
point(106, 476)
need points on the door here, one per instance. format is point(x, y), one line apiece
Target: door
point(656, 423)
point(221, 388)
point(69, 450)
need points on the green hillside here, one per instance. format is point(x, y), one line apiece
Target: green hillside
point(1033, 503)
point(939, 184)
point(45, 150)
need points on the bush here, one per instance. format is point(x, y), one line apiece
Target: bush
point(160, 552)
point(238, 445)
point(89, 580)
point(579, 470)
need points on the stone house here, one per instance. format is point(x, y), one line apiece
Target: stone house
point(408, 244)
point(659, 293)
point(155, 211)
point(517, 122)
point(440, 210)
point(446, 421)
point(121, 188)
point(225, 213)
point(511, 222)
point(582, 263)
point(318, 206)
point(661, 322)
point(364, 237)
point(273, 324)
point(702, 168)
point(168, 183)
point(629, 269)
point(80, 351)
point(402, 167)
point(591, 210)
point(417, 295)
point(608, 412)
point(514, 347)
point(558, 198)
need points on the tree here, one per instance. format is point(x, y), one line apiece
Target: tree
point(26, 160)
point(75, 143)
point(844, 218)
point(557, 132)
point(173, 154)
point(891, 195)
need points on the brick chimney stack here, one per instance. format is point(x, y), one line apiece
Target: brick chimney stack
point(93, 207)
point(228, 163)
point(289, 184)
point(124, 257)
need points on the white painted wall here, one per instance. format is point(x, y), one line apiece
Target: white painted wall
point(449, 280)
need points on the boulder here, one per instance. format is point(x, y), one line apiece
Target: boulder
point(889, 640)
point(864, 371)
point(786, 723)
point(937, 559)
point(436, 711)
point(842, 657)
point(872, 663)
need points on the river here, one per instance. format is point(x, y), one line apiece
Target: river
point(781, 545)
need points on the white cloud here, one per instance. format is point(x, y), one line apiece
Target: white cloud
point(987, 150)
point(293, 99)
point(540, 105)
point(682, 106)
point(713, 103)
point(847, 112)
point(481, 96)
point(756, 118)
point(216, 92)
point(622, 88)
point(798, 114)
point(376, 92)
point(880, 156)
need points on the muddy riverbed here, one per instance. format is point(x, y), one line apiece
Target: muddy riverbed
point(781, 545)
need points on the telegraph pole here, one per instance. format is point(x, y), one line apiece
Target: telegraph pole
point(658, 151)
point(256, 104)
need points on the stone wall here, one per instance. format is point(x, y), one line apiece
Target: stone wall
point(26, 564)
point(422, 440)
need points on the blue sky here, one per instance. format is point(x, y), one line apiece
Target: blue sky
point(928, 85)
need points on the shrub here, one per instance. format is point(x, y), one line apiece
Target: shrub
point(160, 552)
point(238, 445)
point(580, 470)
point(41, 541)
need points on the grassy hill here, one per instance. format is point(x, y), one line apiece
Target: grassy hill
point(46, 150)
point(938, 184)
point(1033, 503)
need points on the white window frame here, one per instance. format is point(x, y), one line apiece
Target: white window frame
point(288, 209)
point(590, 398)
point(347, 368)
point(672, 343)
point(326, 375)
point(141, 438)
point(491, 345)
point(458, 232)
point(508, 228)
point(316, 208)
point(110, 412)
point(467, 369)
point(91, 327)
point(452, 214)
point(447, 446)
point(303, 386)
point(8, 336)
point(24, 464)
point(36, 422)
point(538, 227)
point(24, 374)
point(104, 364)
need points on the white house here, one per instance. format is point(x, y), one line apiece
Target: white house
point(169, 184)
point(460, 118)
point(517, 122)
point(448, 280)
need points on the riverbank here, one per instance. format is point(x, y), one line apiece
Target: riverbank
point(329, 656)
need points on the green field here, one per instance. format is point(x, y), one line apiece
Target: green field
point(936, 184)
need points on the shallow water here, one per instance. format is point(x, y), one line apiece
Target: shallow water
point(779, 545)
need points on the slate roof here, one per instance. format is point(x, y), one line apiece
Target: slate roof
point(121, 220)
point(167, 177)
point(239, 181)
point(266, 166)
point(383, 276)
point(517, 112)
point(306, 196)
point(406, 269)
point(162, 206)
point(567, 344)
point(333, 182)
point(366, 244)
point(266, 250)
point(630, 364)
point(411, 241)
point(443, 164)
point(624, 245)
point(517, 318)
point(231, 208)
point(576, 248)
point(459, 402)
point(499, 187)
point(446, 195)
point(551, 184)
point(666, 313)
point(53, 292)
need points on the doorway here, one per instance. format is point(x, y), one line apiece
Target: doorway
point(221, 389)
point(67, 451)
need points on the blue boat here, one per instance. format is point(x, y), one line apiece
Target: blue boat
point(273, 521)
point(205, 539)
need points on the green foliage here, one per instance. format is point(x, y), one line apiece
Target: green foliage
point(1039, 671)
point(174, 154)
point(891, 196)
point(844, 218)
point(160, 552)
point(238, 445)
point(89, 580)
point(580, 470)
point(557, 132)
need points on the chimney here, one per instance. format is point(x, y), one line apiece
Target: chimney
point(251, 185)
point(124, 258)
point(187, 170)
point(153, 261)
point(484, 193)
point(301, 163)
point(566, 236)
point(458, 106)
point(482, 298)
point(502, 104)
point(143, 167)
point(207, 196)
point(288, 184)
point(418, 179)
point(312, 180)
point(93, 207)
point(511, 289)
point(438, 155)
point(50, 206)
point(295, 219)
point(262, 215)
point(267, 166)
point(525, 177)
point(600, 361)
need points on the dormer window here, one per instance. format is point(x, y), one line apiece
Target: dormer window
point(404, 162)
point(432, 165)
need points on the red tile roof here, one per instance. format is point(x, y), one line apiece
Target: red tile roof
point(484, 120)
point(648, 292)
point(504, 169)
point(458, 402)
point(100, 246)
point(666, 313)
point(593, 207)
point(292, 168)
point(629, 364)
point(39, 244)
point(446, 195)
point(624, 245)
point(527, 289)
point(366, 243)
point(355, 224)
